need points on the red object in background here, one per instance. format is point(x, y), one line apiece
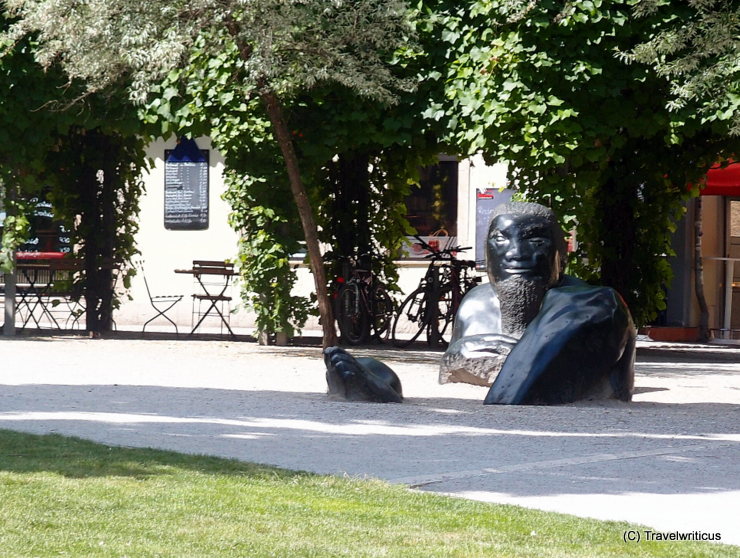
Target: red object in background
point(723, 181)
point(39, 255)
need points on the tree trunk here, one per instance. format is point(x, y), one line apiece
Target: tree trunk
point(280, 128)
point(353, 200)
point(699, 273)
point(10, 290)
point(90, 225)
point(340, 213)
point(617, 214)
point(98, 153)
point(107, 198)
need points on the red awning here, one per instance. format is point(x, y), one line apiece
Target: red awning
point(723, 181)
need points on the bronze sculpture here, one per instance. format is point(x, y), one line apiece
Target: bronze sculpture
point(535, 334)
point(361, 378)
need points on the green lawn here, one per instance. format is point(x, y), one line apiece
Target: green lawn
point(69, 497)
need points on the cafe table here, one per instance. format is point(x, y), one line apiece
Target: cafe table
point(213, 278)
point(42, 279)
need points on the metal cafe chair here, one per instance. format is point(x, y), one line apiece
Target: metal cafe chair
point(161, 303)
point(214, 278)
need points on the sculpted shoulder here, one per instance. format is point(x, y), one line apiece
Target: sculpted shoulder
point(570, 281)
point(479, 313)
point(480, 310)
point(595, 304)
point(571, 288)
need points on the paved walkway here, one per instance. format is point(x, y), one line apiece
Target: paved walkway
point(668, 460)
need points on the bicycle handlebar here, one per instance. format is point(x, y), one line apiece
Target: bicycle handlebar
point(438, 254)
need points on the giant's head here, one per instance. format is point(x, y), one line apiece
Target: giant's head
point(525, 242)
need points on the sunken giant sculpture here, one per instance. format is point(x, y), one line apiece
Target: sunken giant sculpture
point(538, 335)
point(534, 334)
point(361, 378)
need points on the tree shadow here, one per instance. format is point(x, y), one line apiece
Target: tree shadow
point(643, 447)
point(74, 457)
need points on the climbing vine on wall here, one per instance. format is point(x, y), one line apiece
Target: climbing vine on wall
point(539, 84)
point(97, 189)
point(327, 124)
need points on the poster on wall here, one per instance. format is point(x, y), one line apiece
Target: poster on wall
point(413, 249)
point(186, 187)
point(485, 202)
point(48, 237)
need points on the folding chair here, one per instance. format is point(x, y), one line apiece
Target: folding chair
point(162, 304)
point(214, 278)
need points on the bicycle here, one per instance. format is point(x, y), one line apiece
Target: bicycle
point(432, 306)
point(363, 306)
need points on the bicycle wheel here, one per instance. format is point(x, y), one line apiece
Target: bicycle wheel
point(352, 316)
point(383, 310)
point(412, 311)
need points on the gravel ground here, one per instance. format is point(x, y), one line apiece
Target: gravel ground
point(668, 460)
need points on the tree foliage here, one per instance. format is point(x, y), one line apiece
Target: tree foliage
point(291, 45)
point(49, 147)
point(332, 127)
point(538, 84)
point(283, 47)
point(26, 92)
point(696, 46)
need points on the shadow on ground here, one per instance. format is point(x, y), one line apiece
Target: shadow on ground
point(689, 443)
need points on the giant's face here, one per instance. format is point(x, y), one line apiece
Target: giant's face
point(522, 245)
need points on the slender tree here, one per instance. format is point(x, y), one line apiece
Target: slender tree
point(283, 47)
point(699, 272)
point(358, 158)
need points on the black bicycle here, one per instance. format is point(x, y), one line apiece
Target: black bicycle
point(363, 307)
point(433, 304)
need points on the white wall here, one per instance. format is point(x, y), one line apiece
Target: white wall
point(475, 174)
point(164, 250)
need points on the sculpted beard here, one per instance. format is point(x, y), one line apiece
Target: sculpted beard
point(520, 300)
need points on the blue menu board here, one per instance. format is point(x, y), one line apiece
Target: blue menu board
point(186, 187)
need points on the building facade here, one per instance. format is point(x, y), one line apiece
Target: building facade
point(183, 222)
